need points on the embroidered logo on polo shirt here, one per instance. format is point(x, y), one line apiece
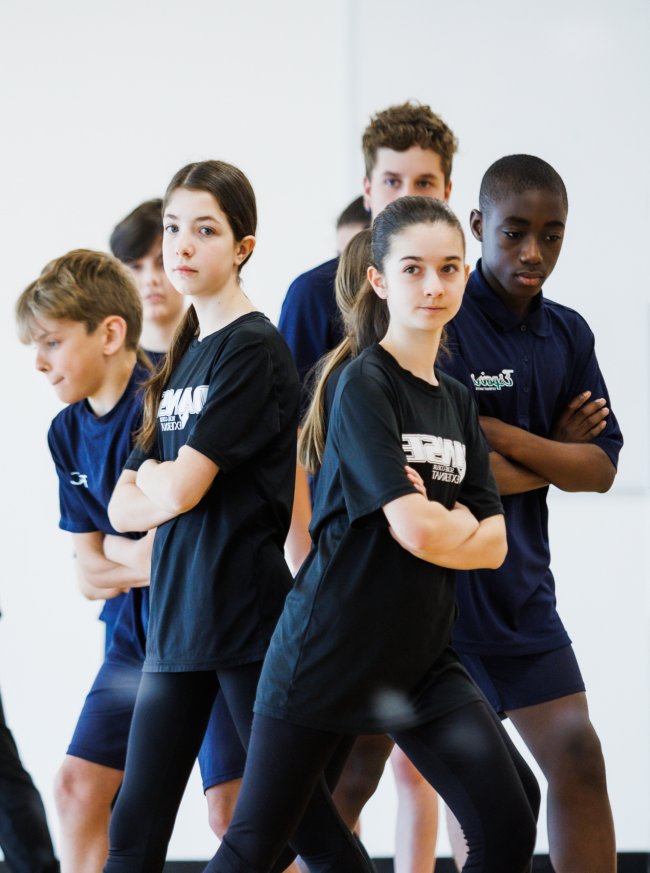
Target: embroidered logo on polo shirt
point(79, 478)
point(484, 382)
point(446, 456)
point(177, 404)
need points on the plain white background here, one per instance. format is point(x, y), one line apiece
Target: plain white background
point(100, 104)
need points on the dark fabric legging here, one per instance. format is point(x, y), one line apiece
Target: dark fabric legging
point(169, 720)
point(465, 755)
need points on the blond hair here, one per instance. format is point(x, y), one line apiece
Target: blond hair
point(83, 286)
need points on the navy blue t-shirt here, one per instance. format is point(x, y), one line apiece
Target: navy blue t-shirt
point(310, 320)
point(523, 372)
point(218, 576)
point(362, 645)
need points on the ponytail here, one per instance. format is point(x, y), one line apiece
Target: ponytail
point(186, 331)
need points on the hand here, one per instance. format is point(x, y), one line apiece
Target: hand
point(416, 480)
point(582, 420)
point(460, 507)
point(143, 470)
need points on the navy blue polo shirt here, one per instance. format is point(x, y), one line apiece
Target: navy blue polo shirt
point(310, 320)
point(89, 453)
point(524, 372)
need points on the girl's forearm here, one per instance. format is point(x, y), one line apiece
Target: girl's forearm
point(485, 548)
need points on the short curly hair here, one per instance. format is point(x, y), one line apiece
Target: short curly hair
point(406, 125)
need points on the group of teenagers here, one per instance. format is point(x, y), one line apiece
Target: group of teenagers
point(394, 440)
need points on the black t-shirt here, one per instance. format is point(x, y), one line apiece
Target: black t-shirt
point(362, 645)
point(219, 577)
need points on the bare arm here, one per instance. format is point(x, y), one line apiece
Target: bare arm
point(177, 486)
point(135, 554)
point(100, 578)
point(130, 509)
point(486, 548)
point(576, 466)
point(298, 541)
point(425, 528)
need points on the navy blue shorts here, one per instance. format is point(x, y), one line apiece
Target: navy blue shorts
point(515, 681)
point(102, 731)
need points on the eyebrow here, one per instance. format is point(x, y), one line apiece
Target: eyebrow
point(418, 258)
point(198, 218)
point(516, 220)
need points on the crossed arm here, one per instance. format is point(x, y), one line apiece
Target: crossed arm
point(451, 538)
point(108, 565)
point(160, 491)
point(522, 461)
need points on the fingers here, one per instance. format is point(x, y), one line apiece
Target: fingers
point(578, 401)
point(416, 480)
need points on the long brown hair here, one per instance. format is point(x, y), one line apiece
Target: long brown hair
point(365, 314)
point(236, 198)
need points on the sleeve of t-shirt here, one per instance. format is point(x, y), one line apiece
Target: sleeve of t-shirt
point(588, 377)
point(74, 514)
point(478, 491)
point(137, 458)
point(371, 456)
point(242, 411)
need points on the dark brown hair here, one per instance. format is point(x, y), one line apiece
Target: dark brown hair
point(236, 198)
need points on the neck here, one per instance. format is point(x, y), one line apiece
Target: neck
point(119, 369)
point(221, 309)
point(415, 351)
point(158, 337)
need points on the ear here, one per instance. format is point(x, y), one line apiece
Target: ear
point(244, 248)
point(377, 281)
point(366, 193)
point(466, 273)
point(448, 191)
point(476, 224)
point(113, 329)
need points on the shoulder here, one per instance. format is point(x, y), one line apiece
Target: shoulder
point(69, 418)
point(315, 279)
point(459, 392)
point(255, 331)
point(561, 315)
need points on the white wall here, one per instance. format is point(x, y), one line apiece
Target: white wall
point(100, 104)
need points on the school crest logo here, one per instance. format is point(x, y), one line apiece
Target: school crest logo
point(446, 456)
point(177, 404)
point(486, 382)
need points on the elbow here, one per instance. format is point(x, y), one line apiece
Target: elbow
point(497, 554)
point(118, 517)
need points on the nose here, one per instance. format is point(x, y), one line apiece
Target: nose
point(411, 189)
point(530, 251)
point(184, 245)
point(41, 362)
point(151, 277)
point(433, 286)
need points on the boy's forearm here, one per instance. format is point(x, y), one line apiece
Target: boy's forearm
point(135, 554)
point(513, 478)
point(568, 466)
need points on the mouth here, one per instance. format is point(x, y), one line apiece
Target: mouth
point(530, 278)
point(154, 298)
point(185, 271)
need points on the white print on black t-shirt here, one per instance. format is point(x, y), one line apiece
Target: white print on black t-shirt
point(447, 456)
point(177, 404)
point(493, 383)
point(79, 478)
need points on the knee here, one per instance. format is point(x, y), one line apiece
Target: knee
point(362, 771)
point(577, 757)
point(72, 793)
point(407, 777)
point(221, 806)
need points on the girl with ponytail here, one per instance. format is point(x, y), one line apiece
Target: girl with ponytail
point(363, 642)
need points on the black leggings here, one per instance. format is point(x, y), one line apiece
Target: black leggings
point(170, 717)
point(465, 755)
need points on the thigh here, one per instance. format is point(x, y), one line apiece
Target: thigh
point(463, 755)
point(102, 730)
point(169, 721)
point(239, 686)
point(527, 680)
point(222, 755)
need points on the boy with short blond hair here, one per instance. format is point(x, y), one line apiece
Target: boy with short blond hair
point(84, 316)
